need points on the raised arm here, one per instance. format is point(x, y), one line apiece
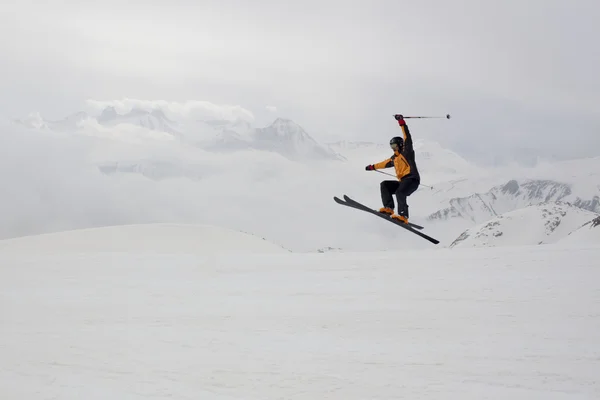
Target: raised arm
point(408, 142)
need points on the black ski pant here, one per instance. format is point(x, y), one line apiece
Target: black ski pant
point(402, 189)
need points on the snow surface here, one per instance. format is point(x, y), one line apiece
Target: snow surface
point(536, 224)
point(494, 323)
point(155, 238)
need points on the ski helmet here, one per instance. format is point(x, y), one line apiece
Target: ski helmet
point(397, 142)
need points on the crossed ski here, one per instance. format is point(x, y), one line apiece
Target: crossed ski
point(414, 228)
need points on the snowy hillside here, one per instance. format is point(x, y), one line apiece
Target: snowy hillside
point(184, 312)
point(480, 207)
point(588, 233)
point(536, 224)
point(143, 238)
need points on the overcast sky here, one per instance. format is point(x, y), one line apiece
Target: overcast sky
point(517, 76)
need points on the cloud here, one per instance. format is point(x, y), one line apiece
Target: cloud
point(121, 175)
point(272, 109)
point(193, 109)
point(334, 67)
point(128, 133)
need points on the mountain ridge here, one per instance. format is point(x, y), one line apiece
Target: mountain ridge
point(513, 195)
point(282, 136)
point(542, 223)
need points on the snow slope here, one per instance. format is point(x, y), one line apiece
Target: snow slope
point(536, 224)
point(468, 324)
point(144, 238)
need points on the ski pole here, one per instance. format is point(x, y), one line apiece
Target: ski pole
point(385, 173)
point(381, 172)
point(447, 116)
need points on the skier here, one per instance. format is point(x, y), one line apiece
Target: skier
point(403, 161)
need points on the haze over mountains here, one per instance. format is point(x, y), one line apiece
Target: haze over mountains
point(282, 136)
point(152, 165)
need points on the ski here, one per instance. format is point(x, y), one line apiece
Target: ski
point(409, 227)
point(355, 204)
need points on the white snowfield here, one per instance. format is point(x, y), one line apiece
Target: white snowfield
point(155, 238)
point(142, 313)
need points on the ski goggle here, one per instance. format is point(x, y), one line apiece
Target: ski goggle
point(394, 146)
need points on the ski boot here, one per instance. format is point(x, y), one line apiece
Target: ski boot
point(386, 210)
point(400, 218)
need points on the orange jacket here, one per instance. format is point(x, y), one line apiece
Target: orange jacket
point(404, 163)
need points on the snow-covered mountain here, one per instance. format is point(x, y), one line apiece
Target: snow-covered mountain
point(283, 136)
point(155, 120)
point(219, 135)
point(289, 139)
point(536, 224)
point(480, 207)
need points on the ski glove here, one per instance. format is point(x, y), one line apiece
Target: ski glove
point(400, 119)
point(370, 167)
